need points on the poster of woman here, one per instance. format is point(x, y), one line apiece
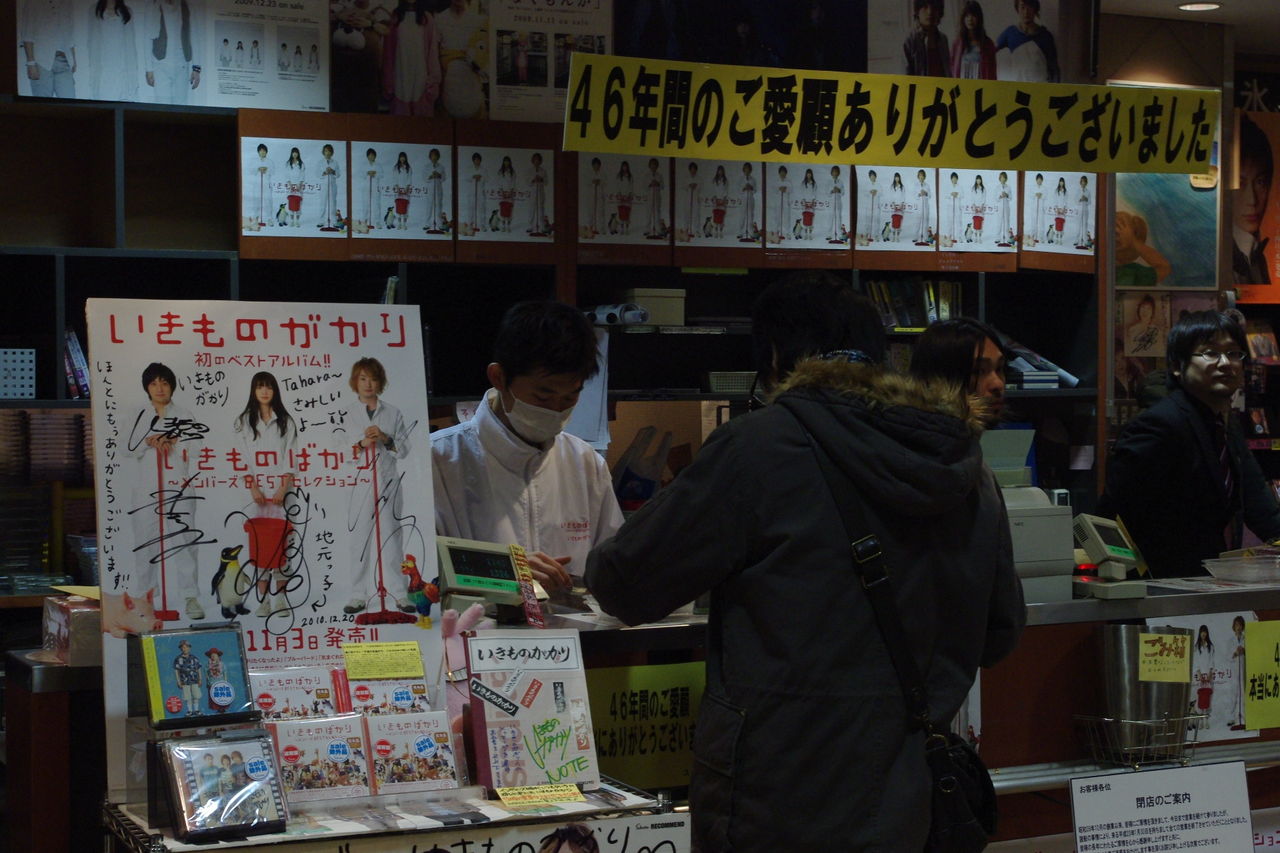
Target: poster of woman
point(1059, 212)
point(808, 206)
point(517, 193)
point(623, 199)
point(1217, 672)
point(897, 208)
point(293, 187)
point(977, 210)
point(718, 203)
point(401, 191)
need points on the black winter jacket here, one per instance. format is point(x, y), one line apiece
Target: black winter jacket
point(801, 741)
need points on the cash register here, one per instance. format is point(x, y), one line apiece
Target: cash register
point(474, 572)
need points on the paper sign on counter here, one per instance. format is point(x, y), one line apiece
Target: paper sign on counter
point(383, 660)
point(527, 796)
point(1164, 657)
point(1262, 675)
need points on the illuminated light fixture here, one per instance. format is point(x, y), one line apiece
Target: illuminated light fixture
point(1199, 7)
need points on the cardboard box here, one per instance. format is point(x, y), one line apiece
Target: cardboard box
point(73, 629)
point(665, 305)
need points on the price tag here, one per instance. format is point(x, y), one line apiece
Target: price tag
point(383, 660)
point(535, 796)
point(1164, 657)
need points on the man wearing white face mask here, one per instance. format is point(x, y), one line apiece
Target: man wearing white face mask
point(509, 474)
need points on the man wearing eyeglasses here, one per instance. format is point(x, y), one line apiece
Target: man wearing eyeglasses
point(1181, 476)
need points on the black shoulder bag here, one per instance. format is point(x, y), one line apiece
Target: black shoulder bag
point(964, 800)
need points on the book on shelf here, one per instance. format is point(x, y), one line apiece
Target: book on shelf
point(1262, 341)
point(930, 301)
point(79, 364)
point(73, 387)
point(1024, 359)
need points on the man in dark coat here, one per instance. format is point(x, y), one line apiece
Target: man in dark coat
point(802, 702)
point(1181, 476)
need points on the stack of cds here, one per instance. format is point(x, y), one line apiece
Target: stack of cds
point(13, 445)
point(56, 446)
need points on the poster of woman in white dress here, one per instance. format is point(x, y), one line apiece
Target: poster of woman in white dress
point(897, 208)
point(807, 207)
point(977, 210)
point(401, 190)
point(293, 187)
point(1059, 212)
point(514, 189)
point(623, 199)
point(1217, 672)
point(718, 203)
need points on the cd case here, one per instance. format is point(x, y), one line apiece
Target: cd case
point(196, 678)
point(411, 752)
point(322, 758)
point(224, 787)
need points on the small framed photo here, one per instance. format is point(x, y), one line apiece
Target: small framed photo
point(224, 787)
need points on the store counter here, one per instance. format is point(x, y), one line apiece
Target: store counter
point(55, 753)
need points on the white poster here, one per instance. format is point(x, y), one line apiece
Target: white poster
point(897, 209)
point(718, 203)
point(978, 210)
point(529, 48)
point(616, 205)
point(401, 191)
point(217, 53)
point(506, 194)
point(1058, 213)
point(807, 207)
point(293, 187)
point(1217, 672)
point(262, 462)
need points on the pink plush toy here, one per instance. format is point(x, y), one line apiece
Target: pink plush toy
point(452, 626)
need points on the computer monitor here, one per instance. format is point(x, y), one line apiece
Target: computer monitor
point(1106, 544)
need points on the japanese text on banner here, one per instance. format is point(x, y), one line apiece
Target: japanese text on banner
point(620, 105)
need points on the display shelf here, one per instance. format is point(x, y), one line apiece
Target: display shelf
point(45, 404)
point(1050, 393)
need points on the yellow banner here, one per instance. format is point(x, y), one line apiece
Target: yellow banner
point(1262, 675)
point(620, 105)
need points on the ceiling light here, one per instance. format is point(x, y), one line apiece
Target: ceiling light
point(1199, 7)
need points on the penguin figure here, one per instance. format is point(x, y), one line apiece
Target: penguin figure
point(795, 229)
point(226, 586)
point(282, 216)
point(706, 227)
point(613, 223)
point(495, 221)
point(884, 232)
point(389, 219)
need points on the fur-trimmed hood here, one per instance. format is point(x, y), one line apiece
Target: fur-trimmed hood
point(910, 445)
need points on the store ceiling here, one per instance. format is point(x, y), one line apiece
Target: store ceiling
point(1256, 22)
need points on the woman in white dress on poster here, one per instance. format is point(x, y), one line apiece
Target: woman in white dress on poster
point(924, 235)
point(719, 202)
point(330, 172)
point(506, 194)
point(808, 204)
point(897, 207)
point(624, 194)
point(113, 57)
point(538, 222)
point(978, 207)
point(747, 195)
point(295, 180)
point(1060, 209)
point(1005, 237)
point(402, 186)
point(653, 228)
point(1083, 233)
point(1202, 674)
point(268, 439)
point(437, 221)
point(239, 54)
point(837, 208)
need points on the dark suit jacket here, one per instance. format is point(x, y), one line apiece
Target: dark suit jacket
point(1251, 269)
point(1163, 481)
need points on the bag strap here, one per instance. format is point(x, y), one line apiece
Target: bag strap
point(868, 562)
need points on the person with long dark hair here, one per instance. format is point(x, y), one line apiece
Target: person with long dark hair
point(411, 60)
point(973, 54)
point(402, 186)
point(965, 354)
point(268, 439)
point(113, 58)
point(295, 179)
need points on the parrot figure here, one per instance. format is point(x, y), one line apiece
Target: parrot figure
point(421, 594)
point(227, 587)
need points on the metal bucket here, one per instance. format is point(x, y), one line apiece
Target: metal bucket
point(1148, 716)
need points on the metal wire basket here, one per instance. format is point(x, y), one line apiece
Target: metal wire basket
point(1141, 743)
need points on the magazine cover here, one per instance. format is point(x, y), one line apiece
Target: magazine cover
point(294, 692)
point(224, 787)
point(411, 752)
point(323, 758)
point(530, 716)
point(196, 678)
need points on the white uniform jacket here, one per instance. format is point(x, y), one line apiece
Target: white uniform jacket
point(492, 486)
